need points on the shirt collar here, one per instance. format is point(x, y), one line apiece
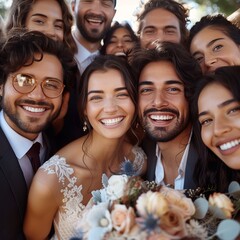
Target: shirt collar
point(82, 53)
point(20, 145)
point(182, 166)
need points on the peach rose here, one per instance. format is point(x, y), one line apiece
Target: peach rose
point(159, 236)
point(177, 198)
point(173, 223)
point(222, 203)
point(152, 203)
point(123, 218)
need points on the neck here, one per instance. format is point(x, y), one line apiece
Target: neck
point(107, 153)
point(91, 47)
point(172, 153)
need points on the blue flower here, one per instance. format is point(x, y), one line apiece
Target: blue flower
point(150, 223)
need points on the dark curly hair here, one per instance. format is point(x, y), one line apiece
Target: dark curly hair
point(19, 49)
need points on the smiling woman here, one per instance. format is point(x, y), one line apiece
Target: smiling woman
point(216, 113)
point(62, 187)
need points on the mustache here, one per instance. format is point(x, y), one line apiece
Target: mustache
point(35, 103)
point(95, 16)
point(165, 110)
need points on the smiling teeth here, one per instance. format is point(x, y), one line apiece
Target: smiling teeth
point(111, 121)
point(32, 109)
point(161, 117)
point(229, 145)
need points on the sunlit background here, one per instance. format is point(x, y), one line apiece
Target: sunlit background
point(198, 8)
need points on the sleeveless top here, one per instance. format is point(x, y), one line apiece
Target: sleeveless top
point(71, 211)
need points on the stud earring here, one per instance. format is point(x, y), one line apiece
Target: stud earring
point(85, 126)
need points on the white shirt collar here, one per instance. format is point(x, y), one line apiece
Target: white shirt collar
point(159, 171)
point(83, 56)
point(19, 144)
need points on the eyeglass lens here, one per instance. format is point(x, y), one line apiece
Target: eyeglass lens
point(24, 83)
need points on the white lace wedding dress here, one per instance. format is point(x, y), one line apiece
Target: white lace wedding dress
point(72, 209)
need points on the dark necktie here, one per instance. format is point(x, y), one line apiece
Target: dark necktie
point(33, 155)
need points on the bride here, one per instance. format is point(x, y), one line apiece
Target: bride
point(62, 187)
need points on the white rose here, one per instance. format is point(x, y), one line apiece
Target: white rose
point(116, 186)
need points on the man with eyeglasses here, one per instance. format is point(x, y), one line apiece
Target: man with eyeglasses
point(34, 70)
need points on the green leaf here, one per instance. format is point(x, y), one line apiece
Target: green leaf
point(201, 205)
point(228, 229)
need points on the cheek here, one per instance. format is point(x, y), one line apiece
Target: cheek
point(109, 48)
point(60, 35)
point(206, 136)
point(57, 103)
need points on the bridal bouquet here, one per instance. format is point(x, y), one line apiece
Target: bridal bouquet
point(130, 208)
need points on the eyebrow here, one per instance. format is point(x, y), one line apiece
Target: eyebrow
point(101, 91)
point(208, 45)
point(223, 104)
point(45, 16)
point(168, 82)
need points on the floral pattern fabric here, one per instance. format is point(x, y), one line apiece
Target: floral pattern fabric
point(72, 209)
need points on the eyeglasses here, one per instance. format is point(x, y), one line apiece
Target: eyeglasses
point(24, 83)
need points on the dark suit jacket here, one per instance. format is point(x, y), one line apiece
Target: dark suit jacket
point(14, 192)
point(149, 147)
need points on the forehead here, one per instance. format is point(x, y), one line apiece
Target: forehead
point(216, 92)
point(121, 32)
point(47, 8)
point(48, 67)
point(207, 34)
point(159, 72)
point(160, 17)
point(106, 79)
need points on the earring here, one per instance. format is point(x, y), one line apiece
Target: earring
point(85, 126)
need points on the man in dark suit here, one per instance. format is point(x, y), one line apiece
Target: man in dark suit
point(166, 76)
point(34, 71)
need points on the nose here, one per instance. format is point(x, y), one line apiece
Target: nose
point(119, 44)
point(37, 93)
point(221, 126)
point(159, 100)
point(210, 60)
point(110, 105)
point(50, 32)
point(96, 6)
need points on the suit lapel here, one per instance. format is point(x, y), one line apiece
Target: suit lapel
point(190, 166)
point(13, 173)
point(150, 149)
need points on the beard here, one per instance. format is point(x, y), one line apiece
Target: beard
point(165, 134)
point(93, 35)
point(31, 124)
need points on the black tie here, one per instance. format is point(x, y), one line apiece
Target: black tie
point(33, 155)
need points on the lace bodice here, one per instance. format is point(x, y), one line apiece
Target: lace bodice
point(72, 209)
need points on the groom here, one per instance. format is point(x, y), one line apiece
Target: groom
point(166, 76)
point(34, 72)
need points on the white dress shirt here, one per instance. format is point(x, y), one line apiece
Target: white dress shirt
point(159, 171)
point(83, 57)
point(20, 146)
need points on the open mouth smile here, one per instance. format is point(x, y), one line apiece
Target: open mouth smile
point(229, 145)
point(112, 121)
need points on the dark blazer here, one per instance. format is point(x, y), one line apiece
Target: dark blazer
point(14, 192)
point(149, 147)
